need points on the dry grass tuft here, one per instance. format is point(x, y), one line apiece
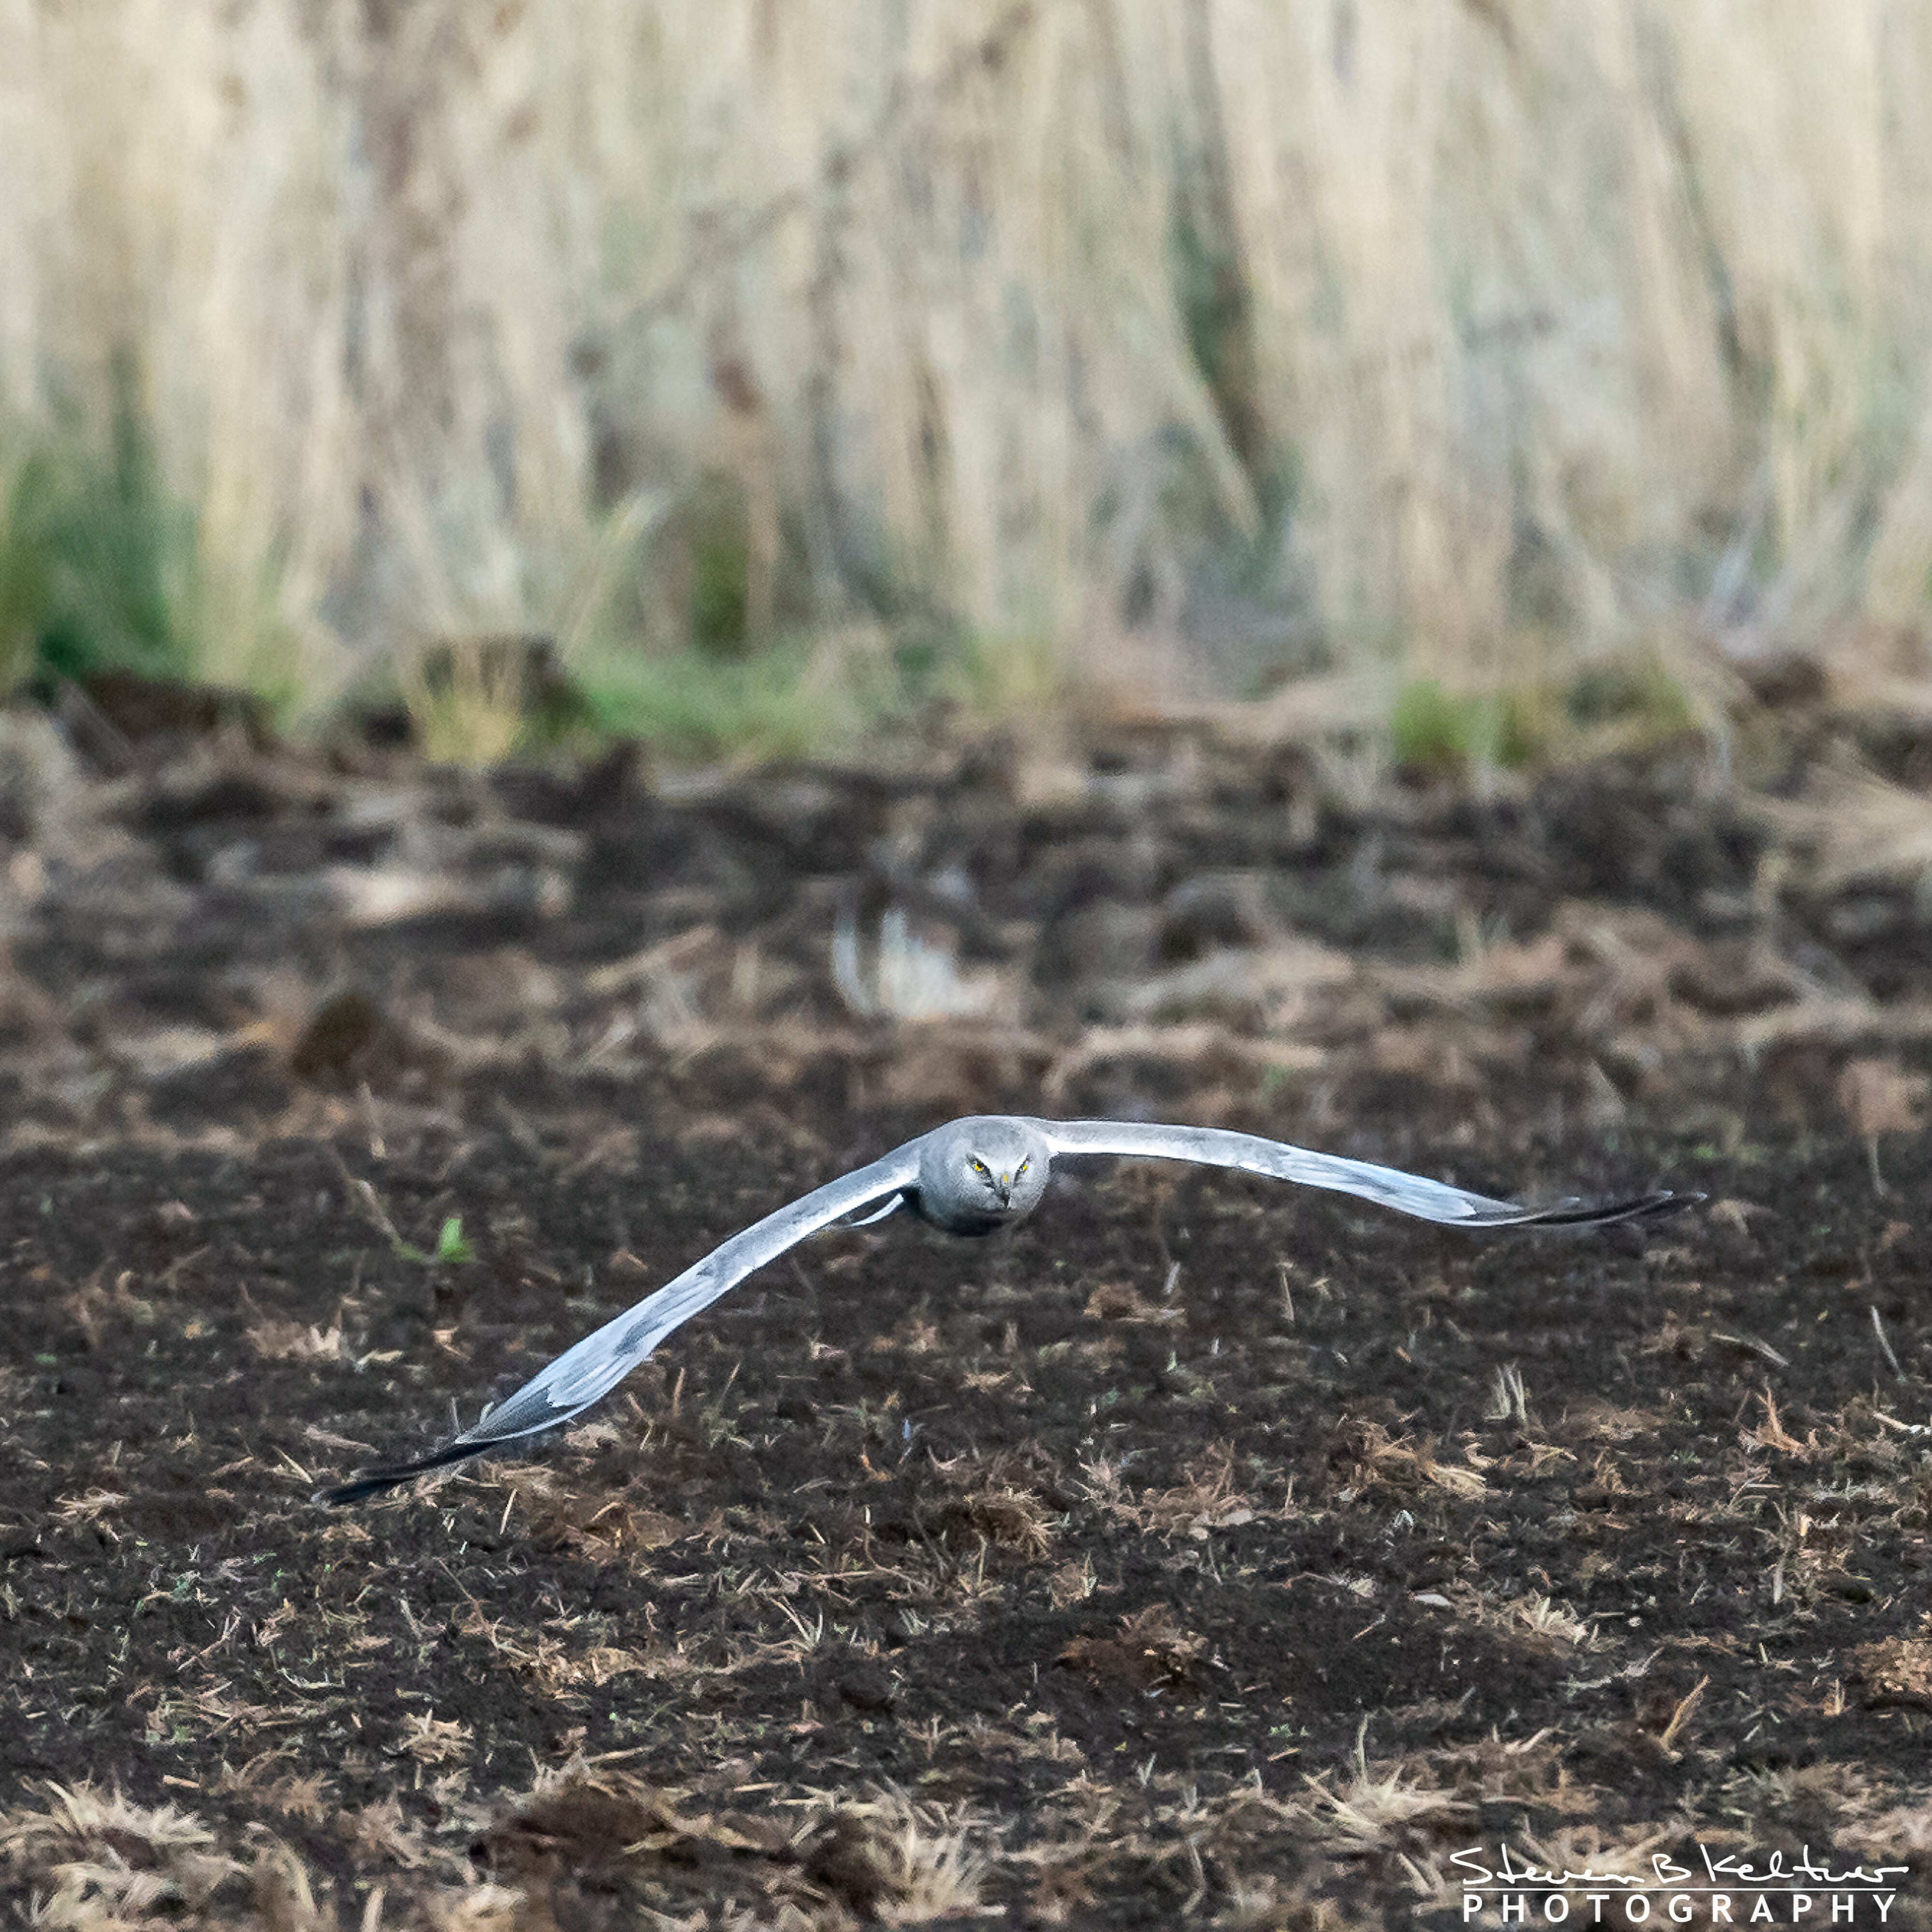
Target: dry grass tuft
point(283, 1895)
point(274, 1340)
point(1772, 1435)
point(1368, 1456)
point(1375, 1810)
point(1898, 1668)
point(1006, 1517)
point(912, 976)
point(380, 1832)
point(1878, 1097)
point(890, 1860)
point(469, 699)
point(432, 1740)
point(1891, 1832)
point(480, 1908)
point(105, 1860)
point(1215, 1495)
point(307, 1795)
point(1541, 1616)
point(93, 1506)
point(1863, 826)
point(1509, 1400)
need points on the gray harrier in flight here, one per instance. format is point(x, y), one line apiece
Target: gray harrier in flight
point(969, 1177)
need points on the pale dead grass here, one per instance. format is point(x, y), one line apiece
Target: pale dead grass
point(1530, 1769)
point(262, 1781)
point(274, 1340)
point(93, 1859)
point(1212, 1855)
point(381, 1833)
point(874, 1856)
point(431, 1740)
point(1542, 1616)
point(209, 1711)
point(488, 1907)
point(93, 1506)
point(1858, 826)
point(1890, 1832)
point(913, 976)
point(1377, 1807)
point(1509, 1399)
point(547, 1658)
point(1215, 1495)
point(93, 1307)
point(1370, 1455)
point(927, 1861)
point(1878, 1097)
point(468, 700)
point(284, 1896)
point(1771, 1436)
point(1638, 284)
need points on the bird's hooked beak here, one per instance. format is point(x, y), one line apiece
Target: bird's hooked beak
point(1005, 1184)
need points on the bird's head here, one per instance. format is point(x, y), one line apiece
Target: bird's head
point(991, 1166)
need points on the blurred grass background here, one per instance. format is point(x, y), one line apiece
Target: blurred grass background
point(1532, 373)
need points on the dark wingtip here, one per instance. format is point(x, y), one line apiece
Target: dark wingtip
point(1638, 1207)
point(353, 1492)
point(372, 1482)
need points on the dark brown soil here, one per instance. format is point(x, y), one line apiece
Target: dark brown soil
point(1204, 1548)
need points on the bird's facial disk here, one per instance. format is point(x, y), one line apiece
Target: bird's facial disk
point(998, 1177)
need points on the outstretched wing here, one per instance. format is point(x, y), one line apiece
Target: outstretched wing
point(1407, 1193)
point(581, 1375)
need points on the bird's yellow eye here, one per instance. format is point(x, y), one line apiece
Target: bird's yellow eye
point(979, 1166)
point(1022, 1167)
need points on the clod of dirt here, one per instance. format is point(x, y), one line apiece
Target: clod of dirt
point(1151, 1650)
point(579, 1823)
point(843, 1860)
point(142, 708)
point(350, 1041)
point(1102, 940)
point(866, 1688)
point(890, 1860)
point(1215, 909)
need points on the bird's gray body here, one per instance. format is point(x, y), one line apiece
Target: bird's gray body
point(969, 1177)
